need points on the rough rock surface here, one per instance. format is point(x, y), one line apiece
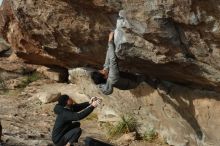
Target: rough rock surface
point(173, 40)
point(185, 117)
point(126, 139)
point(56, 74)
point(12, 71)
point(4, 48)
point(47, 97)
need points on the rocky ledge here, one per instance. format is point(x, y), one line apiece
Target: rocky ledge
point(171, 40)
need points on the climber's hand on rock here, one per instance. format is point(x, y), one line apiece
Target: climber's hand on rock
point(104, 72)
point(111, 35)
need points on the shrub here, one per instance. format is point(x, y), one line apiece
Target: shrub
point(150, 135)
point(125, 125)
point(29, 79)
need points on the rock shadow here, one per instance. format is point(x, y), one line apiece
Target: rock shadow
point(138, 85)
point(183, 104)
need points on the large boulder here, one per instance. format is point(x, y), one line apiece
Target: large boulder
point(12, 71)
point(184, 117)
point(172, 40)
point(48, 97)
point(50, 92)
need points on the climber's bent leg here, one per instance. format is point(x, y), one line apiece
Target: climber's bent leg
point(70, 137)
point(113, 64)
point(106, 65)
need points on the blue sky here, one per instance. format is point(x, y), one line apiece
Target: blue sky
point(0, 2)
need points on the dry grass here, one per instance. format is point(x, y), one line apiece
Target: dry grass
point(125, 125)
point(150, 135)
point(29, 79)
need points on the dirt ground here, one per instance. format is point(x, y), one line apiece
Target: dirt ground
point(28, 122)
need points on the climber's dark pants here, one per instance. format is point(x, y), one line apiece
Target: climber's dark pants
point(71, 137)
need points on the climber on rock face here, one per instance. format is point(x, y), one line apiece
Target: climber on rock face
point(67, 129)
point(109, 76)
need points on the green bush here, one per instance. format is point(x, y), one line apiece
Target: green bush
point(29, 79)
point(150, 135)
point(125, 125)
